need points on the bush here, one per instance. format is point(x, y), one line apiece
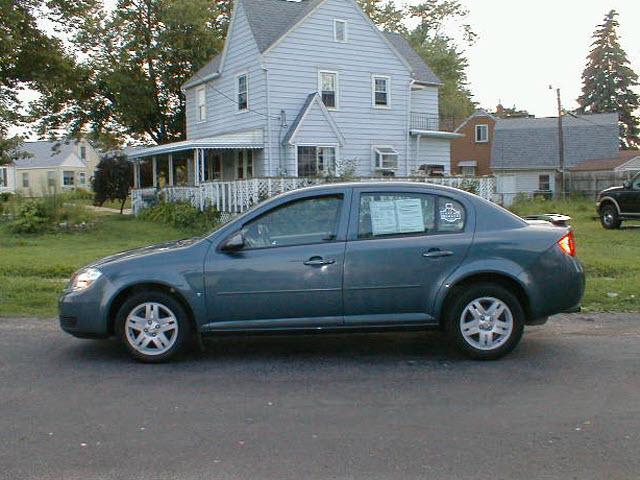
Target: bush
point(182, 215)
point(47, 213)
point(31, 218)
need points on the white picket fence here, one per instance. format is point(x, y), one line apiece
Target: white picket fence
point(233, 197)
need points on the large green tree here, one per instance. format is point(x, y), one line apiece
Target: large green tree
point(608, 81)
point(385, 14)
point(134, 58)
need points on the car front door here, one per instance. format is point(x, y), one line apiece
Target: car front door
point(402, 246)
point(630, 198)
point(289, 272)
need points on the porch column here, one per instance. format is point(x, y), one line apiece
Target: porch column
point(171, 170)
point(417, 152)
point(196, 170)
point(136, 174)
point(202, 162)
point(154, 170)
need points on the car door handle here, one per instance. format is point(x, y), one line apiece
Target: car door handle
point(437, 253)
point(313, 261)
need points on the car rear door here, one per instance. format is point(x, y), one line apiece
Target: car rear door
point(289, 275)
point(402, 245)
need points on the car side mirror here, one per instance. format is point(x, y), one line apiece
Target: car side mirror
point(626, 184)
point(234, 243)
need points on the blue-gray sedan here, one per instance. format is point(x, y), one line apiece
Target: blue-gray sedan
point(337, 258)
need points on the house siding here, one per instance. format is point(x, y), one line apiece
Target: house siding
point(466, 148)
point(315, 130)
point(294, 64)
point(432, 151)
point(425, 100)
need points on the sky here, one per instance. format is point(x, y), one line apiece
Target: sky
point(525, 46)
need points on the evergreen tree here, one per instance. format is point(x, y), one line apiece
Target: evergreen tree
point(608, 81)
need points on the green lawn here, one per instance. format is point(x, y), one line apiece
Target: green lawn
point(34, 269)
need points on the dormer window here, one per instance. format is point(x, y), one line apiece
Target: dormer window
point(340, 31)
point(201, 104)
point(243, 92)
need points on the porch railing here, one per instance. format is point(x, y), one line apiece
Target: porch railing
point(233, 197)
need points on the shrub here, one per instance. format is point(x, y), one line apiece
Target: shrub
point(31, 218)
point(48, 213)
point(182, 215)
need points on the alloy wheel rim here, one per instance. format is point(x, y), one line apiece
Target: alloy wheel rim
point(486, 323)
point(151, 328)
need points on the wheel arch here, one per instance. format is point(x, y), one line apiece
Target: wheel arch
point(121, 297)
point(498, 278)
point(606, 201)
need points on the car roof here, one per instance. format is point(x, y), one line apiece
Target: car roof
point(380, 184)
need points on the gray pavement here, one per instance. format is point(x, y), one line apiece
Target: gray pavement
point(565, 404)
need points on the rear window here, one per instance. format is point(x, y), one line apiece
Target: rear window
point(403, 214)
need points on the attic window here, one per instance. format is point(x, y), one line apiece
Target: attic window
point(243, 92)
point(340, 31)
point(482, 133)
point(201, 99)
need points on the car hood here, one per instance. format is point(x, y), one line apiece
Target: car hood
point(610, 190)
point(144, 251)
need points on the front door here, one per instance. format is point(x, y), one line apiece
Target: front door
point(289, 274)
point(402, 248)
point(630, 197)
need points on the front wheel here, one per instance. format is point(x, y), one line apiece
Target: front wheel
point(609, 217)
point(153, 326)
point(485, 321)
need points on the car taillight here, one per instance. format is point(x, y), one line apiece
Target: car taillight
point(568, 244)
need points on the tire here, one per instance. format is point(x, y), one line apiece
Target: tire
point(153, 326)
point(609, 217)
point(503, 329)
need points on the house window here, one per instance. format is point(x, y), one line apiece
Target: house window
point(68, 178)
point(380, 85)
point(82, 178)
point(244, 164)
point(83, 152)
point(51, 178)
point(328, 86)
point(386, 158)
point(3, 177)
point(25, 179)
point(544, 183)
point(201, 102)
point(468, 171)
point(315, 161)
point(243, 92)
point(482, 133)
point(340, 31)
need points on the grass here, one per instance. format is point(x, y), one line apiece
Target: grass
point(34, 269)
point(611, 257)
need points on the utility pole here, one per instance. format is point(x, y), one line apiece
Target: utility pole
point(561, 147)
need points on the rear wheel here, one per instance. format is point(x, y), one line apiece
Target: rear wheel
point(153, 326)
point(609, 217)
point(485, 321)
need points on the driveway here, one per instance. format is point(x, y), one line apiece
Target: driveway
point(565, 405)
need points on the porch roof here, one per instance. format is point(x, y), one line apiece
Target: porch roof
point(249, 139)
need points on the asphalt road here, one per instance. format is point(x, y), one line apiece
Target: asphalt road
point(565, 405)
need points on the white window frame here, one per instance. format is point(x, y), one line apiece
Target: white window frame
point(381, 168)
point(316, 146)
point(82, 178)
point(51, 179)
point(486, 135)
point(25, 176)
point(201, 103)
point(242, 158)
point(73, 178)
point(374, 77)
point(238, 76)
point(336, 21)
point(337, 86)
point(548, 181)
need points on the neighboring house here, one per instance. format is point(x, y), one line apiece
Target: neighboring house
point(305, 88)
point(7, 179)
point(471, 154)
point(54, 166)
point(626, 162)
point(525, 152)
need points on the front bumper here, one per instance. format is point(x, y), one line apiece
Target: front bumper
point(81, 313)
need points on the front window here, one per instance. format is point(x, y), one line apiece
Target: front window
point(381, 91)
point(243, 92)
point(302, 222)
point(315, 161)
point(25, 180)
point(635, 182)
point(68, 179)
point(544, 183)
point(244, 164)
point(467, 171)
point(482, 133)
point(340, 31)
point(329, 88)
point(82, 178)
point(386, 158)
point(402, 214)
point(201, 99)
point(3, 177)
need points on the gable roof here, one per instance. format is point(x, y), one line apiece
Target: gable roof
point(421, 71)
point(481, 112)
point(313, 98)
point(599, 164)
point(270, 20)
point(46, 154)
point(529, 143)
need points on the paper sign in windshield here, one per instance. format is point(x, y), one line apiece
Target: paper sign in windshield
point(396, 216)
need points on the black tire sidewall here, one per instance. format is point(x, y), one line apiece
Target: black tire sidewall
point(616, 219)
point(172, 304)
point(466, 295)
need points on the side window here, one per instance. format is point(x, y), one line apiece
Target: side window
point(635, 183)
point(393, 214)
point(307, 221)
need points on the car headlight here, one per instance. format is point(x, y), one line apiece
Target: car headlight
point(85, 278)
